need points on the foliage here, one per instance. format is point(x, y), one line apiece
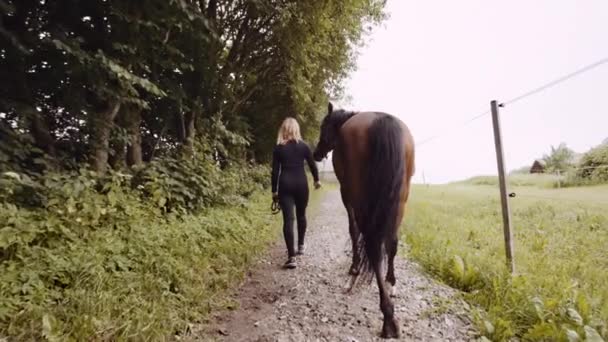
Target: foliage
point(89, 258)
point(560, 158)
point(594, 165)
point(187, 186)
point(163, 75)
point(591, 170)
point(558, 293)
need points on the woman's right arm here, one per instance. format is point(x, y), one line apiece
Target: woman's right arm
point(313, 166)
point(276, 168)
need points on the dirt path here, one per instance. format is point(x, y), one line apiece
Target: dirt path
point(310, 304)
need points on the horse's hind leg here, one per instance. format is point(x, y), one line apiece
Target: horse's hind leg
point(354, 237)
point(392, 245)
point(390, 327)
point(353, 232)
point(391, 251)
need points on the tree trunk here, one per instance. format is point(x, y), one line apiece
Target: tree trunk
point(134, 151)
point(117, 160)
point(180, 126)
point(118, 147)
point(39, 129)
point(100, 140)
point(212, 10)
point(36, 123)
point(190, 124)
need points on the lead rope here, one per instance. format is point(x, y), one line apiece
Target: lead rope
point(275, 208)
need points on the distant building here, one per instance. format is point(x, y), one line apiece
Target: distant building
point(538, 167)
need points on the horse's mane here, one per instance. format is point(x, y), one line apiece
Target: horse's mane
point(340, 116)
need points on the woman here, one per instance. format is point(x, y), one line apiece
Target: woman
point(289, 183)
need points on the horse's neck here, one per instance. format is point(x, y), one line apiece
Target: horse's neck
point(344, 117)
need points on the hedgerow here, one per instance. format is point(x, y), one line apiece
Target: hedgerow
point(121, 256)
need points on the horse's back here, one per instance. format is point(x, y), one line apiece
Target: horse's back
point(352, 153)
point(354, 133)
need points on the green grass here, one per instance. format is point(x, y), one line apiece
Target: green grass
point(143, 278)
point(537, 180)
point(561, 243)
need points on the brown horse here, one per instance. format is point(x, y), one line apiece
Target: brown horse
point(373, 158)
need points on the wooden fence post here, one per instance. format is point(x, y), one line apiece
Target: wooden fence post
point(504, 199)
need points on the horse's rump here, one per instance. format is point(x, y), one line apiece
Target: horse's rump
point(384, 177)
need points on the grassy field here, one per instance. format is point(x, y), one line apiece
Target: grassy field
point(560, 291)
point(518, 180)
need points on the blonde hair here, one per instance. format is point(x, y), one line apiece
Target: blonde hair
point(290, 130)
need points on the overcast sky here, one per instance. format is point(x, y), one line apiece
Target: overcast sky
point(435, 64)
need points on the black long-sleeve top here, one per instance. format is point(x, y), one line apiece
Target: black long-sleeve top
point(288, 165)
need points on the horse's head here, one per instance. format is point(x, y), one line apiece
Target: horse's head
point(330, 127)
point(327, 136)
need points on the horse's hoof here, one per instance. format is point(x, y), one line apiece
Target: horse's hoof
point(390, 329)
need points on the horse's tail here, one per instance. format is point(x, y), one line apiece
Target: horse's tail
point(380, 204)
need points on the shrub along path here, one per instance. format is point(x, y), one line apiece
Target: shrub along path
point(310, 304)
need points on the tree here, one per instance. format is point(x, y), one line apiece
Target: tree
point(560, 159)
point(116, 84)
point(594, 165)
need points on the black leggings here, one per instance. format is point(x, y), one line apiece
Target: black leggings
point(289, 200)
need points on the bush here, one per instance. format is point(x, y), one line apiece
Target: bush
point(84, 257)
point(592, 170)
point(189, 186)
point(594, 165)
